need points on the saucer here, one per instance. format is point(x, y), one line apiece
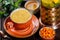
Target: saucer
point(35, 26)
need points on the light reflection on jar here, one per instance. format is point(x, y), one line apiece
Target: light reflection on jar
point(50, 16)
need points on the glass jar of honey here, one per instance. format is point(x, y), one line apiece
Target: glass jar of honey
point(50, 12)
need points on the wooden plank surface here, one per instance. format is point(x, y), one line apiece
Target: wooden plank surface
point(34, 37)
point(0, 26)
point(0, 23)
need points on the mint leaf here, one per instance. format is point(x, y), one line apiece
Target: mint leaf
point(17, 3)
point(0, 0)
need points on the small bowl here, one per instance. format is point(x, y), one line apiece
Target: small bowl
point(47, 33)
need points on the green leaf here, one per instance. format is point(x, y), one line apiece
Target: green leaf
point(1, 13)
point(11, 2)
point(6, 14)
point(17, 3)
point(0, 0)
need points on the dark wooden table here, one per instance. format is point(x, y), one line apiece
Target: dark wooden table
point(33, 37)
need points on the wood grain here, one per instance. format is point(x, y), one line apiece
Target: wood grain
point(0, 23)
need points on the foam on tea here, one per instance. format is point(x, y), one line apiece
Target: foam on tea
point(31, 6)
point(20, 15)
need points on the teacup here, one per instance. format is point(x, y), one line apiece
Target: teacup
point(21, 17)
point(16, 28)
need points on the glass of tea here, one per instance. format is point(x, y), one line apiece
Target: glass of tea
point(32, 5)
point(50, 13)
